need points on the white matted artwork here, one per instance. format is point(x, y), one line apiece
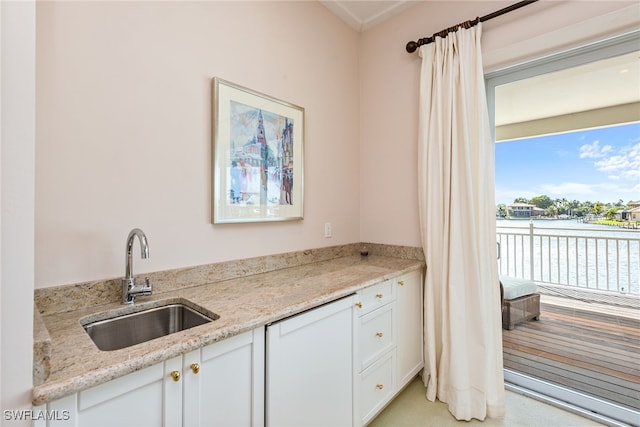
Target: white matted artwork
point(257, 156)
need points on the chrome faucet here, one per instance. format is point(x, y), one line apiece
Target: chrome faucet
point(129, 288)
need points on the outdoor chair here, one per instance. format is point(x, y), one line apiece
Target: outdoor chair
point(520, 301)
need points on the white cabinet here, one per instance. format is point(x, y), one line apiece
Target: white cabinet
point(389, 337)
point(377, 335)
point(219, 385)
point(375, 296)
point(309, 361)
point(135, 399)
point(409, 300)
point(375, 363)
point(224, 383)
point(376, 387)
point(335, 365)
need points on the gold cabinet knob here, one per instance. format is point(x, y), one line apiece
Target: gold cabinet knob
point(379, 296)
point(175, 375)
point(401, 282)
point(379, 334)
point(379, 386)
point(359, 304)
point(195, 368)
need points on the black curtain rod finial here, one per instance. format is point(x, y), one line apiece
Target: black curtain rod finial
point(412, 46)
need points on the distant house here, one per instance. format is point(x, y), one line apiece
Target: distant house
point(524, 210)
point(631, 214)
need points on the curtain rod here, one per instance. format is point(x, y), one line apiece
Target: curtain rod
point(413, 46)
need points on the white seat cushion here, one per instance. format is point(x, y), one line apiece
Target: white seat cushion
point(515, 287)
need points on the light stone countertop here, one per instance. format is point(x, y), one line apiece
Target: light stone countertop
point(242, 304)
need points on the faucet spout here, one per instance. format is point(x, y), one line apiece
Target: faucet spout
point(129, 288)
point(144, 250)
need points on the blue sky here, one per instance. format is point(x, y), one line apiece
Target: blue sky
point(591, 165)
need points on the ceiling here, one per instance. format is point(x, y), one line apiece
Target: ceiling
point(596, 94)
point(364, 14)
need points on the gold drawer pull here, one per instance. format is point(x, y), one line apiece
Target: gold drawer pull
point(175, 375)
point(359, 304)
point(401, 282)
point(379, 334)
point(379, 296)
point(195, 368)
point(379, 386)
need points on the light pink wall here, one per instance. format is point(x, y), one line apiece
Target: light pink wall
point(124, 129)
point(390, 80)
point(123, 134)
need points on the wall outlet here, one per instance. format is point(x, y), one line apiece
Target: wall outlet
point(327, 229)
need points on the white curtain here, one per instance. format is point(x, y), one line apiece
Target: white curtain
point(463, 335)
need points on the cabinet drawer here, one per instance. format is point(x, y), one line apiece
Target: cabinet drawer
point(375, 296)
point(376, 386)
point(376, 334)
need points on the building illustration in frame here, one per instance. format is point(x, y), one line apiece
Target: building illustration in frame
point(261, 164)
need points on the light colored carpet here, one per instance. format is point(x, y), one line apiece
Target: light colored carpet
point(412, 409)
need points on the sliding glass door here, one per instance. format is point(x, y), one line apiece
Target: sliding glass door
point(567, 135)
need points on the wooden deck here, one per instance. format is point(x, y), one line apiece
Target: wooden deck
point(594, 352)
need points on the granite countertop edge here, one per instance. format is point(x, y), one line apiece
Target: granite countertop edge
point(243, 304)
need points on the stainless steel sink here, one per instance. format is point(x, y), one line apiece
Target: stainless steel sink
point(135, 328)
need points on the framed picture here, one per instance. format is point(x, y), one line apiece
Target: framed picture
point(257, 156)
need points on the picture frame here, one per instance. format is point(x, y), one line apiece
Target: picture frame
point(258, 157)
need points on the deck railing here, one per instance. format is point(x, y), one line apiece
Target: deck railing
point(582, 258)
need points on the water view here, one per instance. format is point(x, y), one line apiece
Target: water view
point(584, 173)
point(571, 253)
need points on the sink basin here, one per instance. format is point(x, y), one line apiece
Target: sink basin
point(135, 328)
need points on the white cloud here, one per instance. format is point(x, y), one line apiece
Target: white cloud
point(624, 164)
point(612, 163)
point(607, 191)
point(594, 151)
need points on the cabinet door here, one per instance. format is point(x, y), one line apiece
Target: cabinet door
point(135, 399)
point(310, 368)
point(409, 323)
point(224, 383)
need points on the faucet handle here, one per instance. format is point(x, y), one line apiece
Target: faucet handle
point(147, 288)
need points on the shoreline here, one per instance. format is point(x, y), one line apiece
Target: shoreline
point(631, 226)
